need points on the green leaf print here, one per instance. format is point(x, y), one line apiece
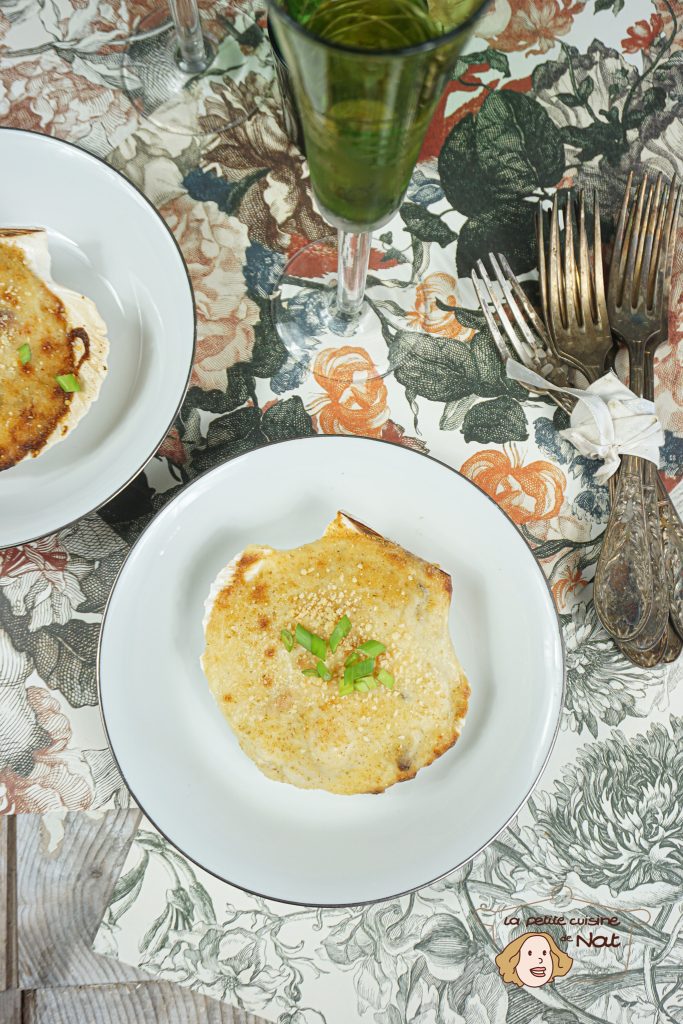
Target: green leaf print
point(426, 226)
point(269, 354)
point(506, 228)
point(445, 370)
point(616, 6)
point(461, 171)
point(497, 422)
point(287, 419)
point(496, 60)
point(510, 150)
point(439, 369)
point(518, 145)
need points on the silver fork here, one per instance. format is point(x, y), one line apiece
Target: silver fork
point(637, 295)
point(534, 350)
point(669, 520)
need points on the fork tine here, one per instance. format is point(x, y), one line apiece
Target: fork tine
point(651, 217)
point(509, 337)
point(586, 288)
point(503, 351)
point(619, 249)
point(633, 231)
point(521, 354)
point(521, 297)
point(556, 291)
point(542, 265)
point(512, 305)
point(601, 302)
point(668, 245)
point(659, 236)
point(571, 291)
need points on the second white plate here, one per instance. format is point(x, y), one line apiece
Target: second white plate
point(179, 756)
point(109, 243)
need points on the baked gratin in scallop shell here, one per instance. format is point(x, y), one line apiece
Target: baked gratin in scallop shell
point(81, 315)
point(298, 729)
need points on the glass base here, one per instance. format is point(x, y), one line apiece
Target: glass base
point(214, 100)
point(309, 325)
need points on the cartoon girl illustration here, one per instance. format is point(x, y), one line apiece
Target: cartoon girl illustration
point(532, 960)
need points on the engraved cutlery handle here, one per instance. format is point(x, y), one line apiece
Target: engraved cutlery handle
point(622, 589)
point(654, 629)
point(672, 540)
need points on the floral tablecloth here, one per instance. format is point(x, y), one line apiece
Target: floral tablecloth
point(551, 92)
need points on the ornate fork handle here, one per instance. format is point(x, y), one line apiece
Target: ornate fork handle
point(655, 627)
point(672, 542)
point(623, 577)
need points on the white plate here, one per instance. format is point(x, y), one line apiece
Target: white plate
point(108, 242)
point(179, 756)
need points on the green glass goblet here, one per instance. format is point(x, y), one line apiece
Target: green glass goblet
point(367, 76)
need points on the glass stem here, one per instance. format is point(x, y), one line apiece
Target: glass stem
point(193, 57)
point(354, 258)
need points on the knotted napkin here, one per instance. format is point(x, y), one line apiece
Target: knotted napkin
point(608, 420)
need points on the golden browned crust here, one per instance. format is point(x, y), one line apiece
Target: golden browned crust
point(65, 336)
point(298, 729)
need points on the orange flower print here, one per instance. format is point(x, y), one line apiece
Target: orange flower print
point(642, 35)
point(525, 493)
point(571, 579)
point(428, 317)
point(532, 25)
point(355, 398)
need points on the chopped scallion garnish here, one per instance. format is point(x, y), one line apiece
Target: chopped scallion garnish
point(360, 669)
point(287, 639)
point(362, 686)
point(310, 672)
point(353, 658)
point(345, 688)
point(341, 630)
point(24, 353)
point(368, 683)
point(386, 678)
point(323, 671)
point(68, 382)
point(313, 643)
point(372, 648)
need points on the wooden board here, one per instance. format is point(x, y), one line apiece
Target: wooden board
point(54, 887)
point(151, 1003)
point(61, 896)
point(8, 935)
point(11, 1007)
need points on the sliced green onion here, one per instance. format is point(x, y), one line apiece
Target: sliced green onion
point(313, 643)
point(353, 658)
point(362, 686)
point(24, 353)
point(342, 629)
point(287, 639)
point(360, 669)
point(310, 672)
point(368, 682)
point(372, 648)
point(345, 688)
point(68, 382)
point(323, 671)
point(386, 678)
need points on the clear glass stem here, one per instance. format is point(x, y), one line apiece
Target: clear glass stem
point(354, 258)
point(193, 57)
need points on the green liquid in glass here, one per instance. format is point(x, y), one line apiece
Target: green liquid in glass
point(365, 116)
point(372, 24)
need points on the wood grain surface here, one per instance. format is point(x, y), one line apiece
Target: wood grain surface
point(56, 876)
point(155, 1002)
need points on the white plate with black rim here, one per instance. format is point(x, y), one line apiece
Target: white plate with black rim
point(108, 242)
point(181, 760)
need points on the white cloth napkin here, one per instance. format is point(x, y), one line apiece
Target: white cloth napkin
point(607, 422)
